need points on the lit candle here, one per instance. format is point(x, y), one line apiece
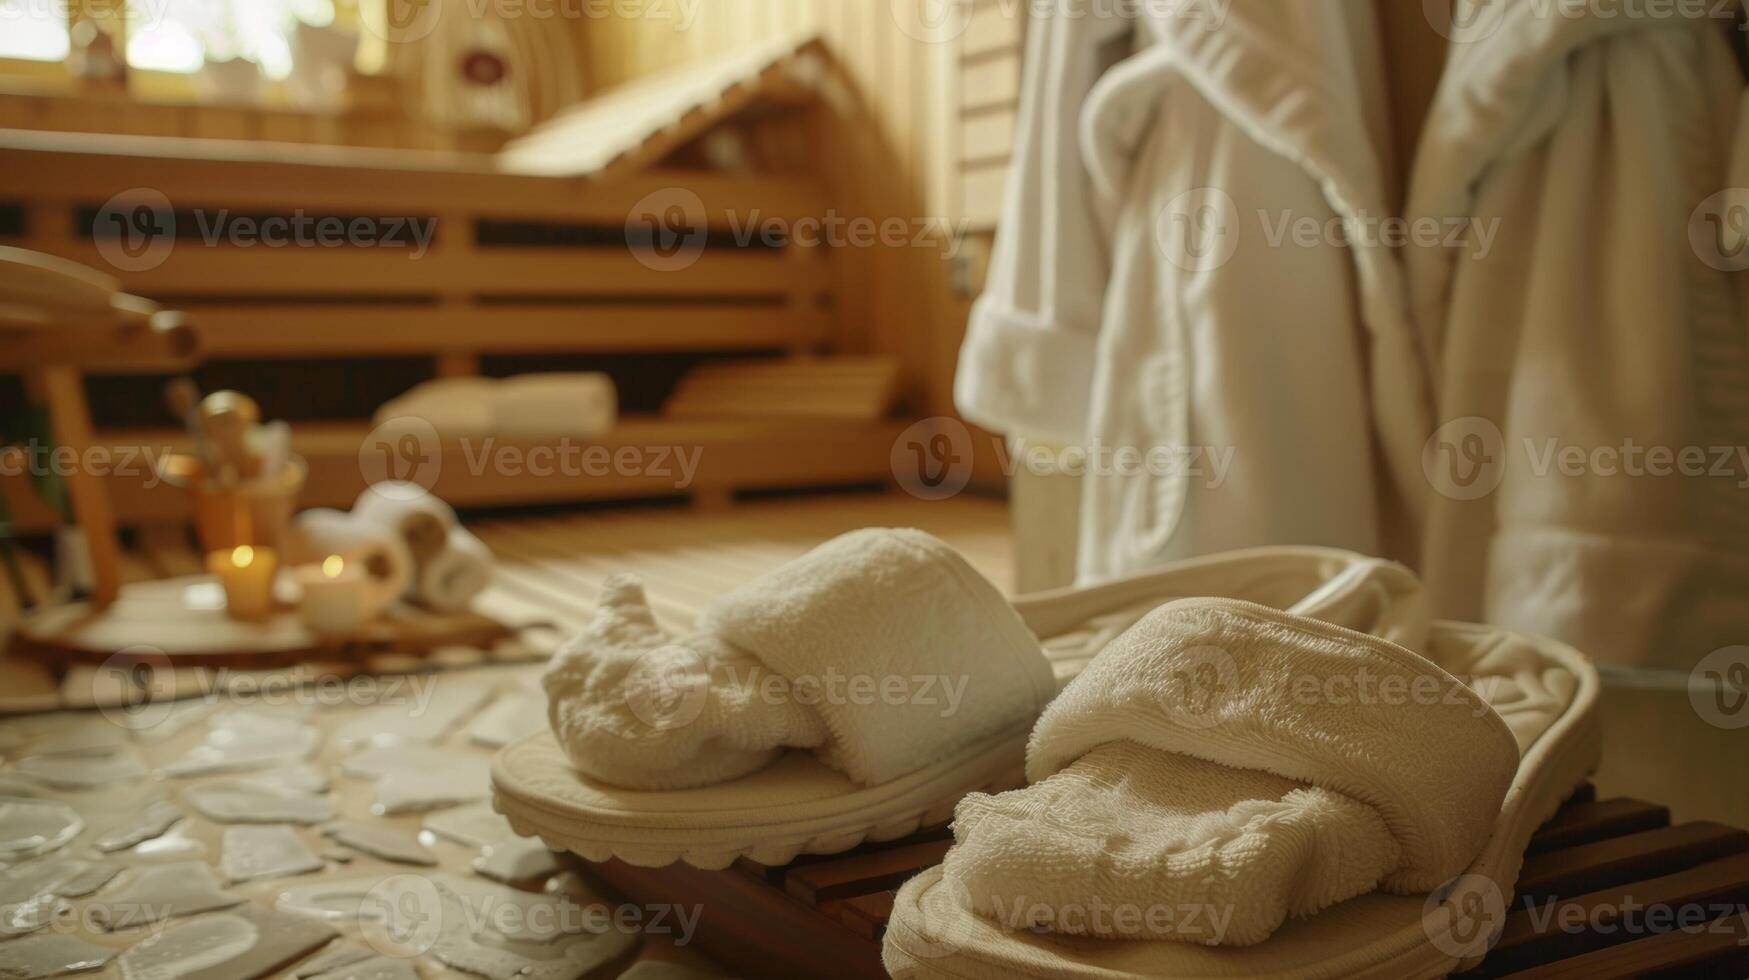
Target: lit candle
point(246, 573)
point(336, 596)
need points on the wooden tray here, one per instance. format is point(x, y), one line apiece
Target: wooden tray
point(825, 915)
point(180, 621)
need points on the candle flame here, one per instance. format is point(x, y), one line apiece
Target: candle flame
point(242, 556)
point(333, 565)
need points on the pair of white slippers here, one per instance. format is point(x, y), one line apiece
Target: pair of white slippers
point(1262, 763)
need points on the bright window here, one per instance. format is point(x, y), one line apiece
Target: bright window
point(179, 35)
point(33, 30)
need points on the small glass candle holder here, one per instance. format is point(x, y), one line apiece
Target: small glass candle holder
point(252, 512)
point(246, 574)
point(337, 596)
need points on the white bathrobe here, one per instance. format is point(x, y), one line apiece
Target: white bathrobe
point(1591, 349)
point(1165, 290)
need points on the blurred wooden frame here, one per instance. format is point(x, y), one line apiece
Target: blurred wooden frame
point(58, 320)
point(509, 262)
point(1414, 53)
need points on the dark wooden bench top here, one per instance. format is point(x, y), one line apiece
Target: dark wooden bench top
point(1684, 889)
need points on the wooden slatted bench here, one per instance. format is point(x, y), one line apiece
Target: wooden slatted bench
point(614, 243)
point(824, 915)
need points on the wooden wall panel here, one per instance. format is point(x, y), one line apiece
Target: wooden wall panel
point(987, 136)
point(1414, 59)
point(987, 101)
point(897, 147)
point(992, 80)
point(372, 124)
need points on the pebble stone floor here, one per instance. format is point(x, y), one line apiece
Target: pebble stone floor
point(337, 826)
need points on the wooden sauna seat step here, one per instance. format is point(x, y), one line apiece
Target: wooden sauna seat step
point(862, 874)
point(1633, 857)
point(1583, 823)
point(729, 453)
point(1714, 950)
point(867, 915)
point(629, 126)
point(1552, 930)
point(800, 387)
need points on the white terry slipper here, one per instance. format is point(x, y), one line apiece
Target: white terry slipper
point(1233, 791)
point(855, 693)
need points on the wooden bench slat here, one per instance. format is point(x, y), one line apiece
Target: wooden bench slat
point(775, 875)
point(1551, 931)
point(1718, 950)
point(242, 174)
point(749, 922)
point(863, 874)
point(735, 453)
point(1585, 823)
point(359, 330)
point(1604, 864)
point(867, 915)
point(194, 270)
point(836, 387)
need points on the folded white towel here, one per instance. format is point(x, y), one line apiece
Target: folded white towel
point(578, 404)
point(453, 406)
point(882, 650)
point(572, 404)
point(1221, 766)
point(449, 579)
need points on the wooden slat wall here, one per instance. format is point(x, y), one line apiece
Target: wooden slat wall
point(900, 155)
point(380, 123)
point(466, 295)
point(987, 103)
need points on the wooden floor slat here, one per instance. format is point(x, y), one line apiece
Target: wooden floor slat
point(1605, 864)
point(1716, 950)
point(590, 563)
point(864, 873)
point(609, 546)
point(1584, 823)
point(699, 548)
point(867, 915)
point(775, 875)
point(1545, 932)
point(689, 557)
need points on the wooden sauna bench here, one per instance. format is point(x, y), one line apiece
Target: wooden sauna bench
point(520, 264)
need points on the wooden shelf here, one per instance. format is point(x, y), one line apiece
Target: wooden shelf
point(731, 454)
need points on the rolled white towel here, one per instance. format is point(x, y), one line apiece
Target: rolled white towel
point(582, 404)
point(421, 519)
point(449, 580)
point(451, 405)
point(579, 404)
